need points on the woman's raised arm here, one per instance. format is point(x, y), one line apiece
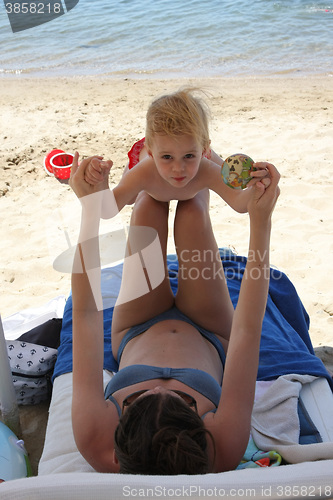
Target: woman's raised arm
point(231, 423)
point(92, 418)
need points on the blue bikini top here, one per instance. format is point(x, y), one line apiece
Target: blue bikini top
point(198, 380)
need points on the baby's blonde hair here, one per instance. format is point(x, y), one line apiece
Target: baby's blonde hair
point(180, 113)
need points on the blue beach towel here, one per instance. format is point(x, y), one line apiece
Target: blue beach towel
point(285, 343)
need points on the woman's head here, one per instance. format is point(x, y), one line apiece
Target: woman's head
point(159, 434)
point(181, 113)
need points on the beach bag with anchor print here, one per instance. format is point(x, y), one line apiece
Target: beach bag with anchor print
point(32, 367)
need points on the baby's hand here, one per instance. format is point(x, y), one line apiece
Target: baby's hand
point(78, 181)
point(97, 170)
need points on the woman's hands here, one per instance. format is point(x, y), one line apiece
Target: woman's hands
point(265, 192)
point(260, 173)
point(81, 174)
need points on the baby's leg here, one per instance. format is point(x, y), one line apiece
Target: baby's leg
point(145, 288)
point(202, 290)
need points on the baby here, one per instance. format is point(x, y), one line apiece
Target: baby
point(174, 160)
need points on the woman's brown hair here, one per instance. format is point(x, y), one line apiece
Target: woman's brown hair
point(160, 435)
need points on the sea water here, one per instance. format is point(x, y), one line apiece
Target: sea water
point(166, 38)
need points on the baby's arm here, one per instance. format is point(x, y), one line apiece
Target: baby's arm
point(216, 158)
point(97, 170)
point(238, 199)
point(126, 191)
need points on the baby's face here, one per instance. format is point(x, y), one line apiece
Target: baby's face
point(177, 159)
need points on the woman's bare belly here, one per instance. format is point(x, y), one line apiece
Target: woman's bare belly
point(176, 344)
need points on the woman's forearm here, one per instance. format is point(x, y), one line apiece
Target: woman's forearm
point(86, 272)
point(256, 277)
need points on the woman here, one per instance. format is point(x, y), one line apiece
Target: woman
point(164, 411)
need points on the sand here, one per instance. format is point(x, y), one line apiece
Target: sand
point(288, 122)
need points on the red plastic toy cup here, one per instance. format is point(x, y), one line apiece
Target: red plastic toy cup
point(47, 160)
point(61, 165)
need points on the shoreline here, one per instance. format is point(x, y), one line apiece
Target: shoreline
point(285, 120)
point(160, 75)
